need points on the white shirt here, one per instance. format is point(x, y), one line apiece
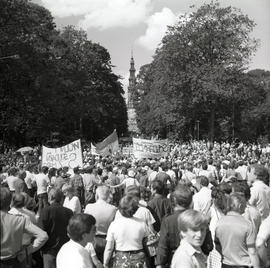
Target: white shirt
point(28, 179)
point(73, 204)
point(260, 198)
point(71, 255)
point(242, 170)
point(11, 182)
point(142, 213)
point(130, 182)
point(152, 176)
point(42, 181)
point(127, 233)
point(202, 200)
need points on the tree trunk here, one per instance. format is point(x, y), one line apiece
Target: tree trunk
point(212, 124)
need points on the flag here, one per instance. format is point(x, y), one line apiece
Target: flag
point(108, 146)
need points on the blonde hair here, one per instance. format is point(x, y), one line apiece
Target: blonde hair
point(191, 219)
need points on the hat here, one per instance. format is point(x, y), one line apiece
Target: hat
point(131, 173)
point(226, 162)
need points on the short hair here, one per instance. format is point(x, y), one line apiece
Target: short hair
point(22, 175)
point(103, 192)
point(158, 186)
point(18, 200)
point(67, 188)
point(76, 170)
point(204, 181)
point(5, 198)
point(80, 224)
point(235, 201)
point(182, 196)
point(219, 199)
point(204, 166)
point(128, 205)
point(225, 187)
point(44, 169)
point(242, 187)
point(261, 172)
point(191, 219)
point(56, 195)
point(133, 190)
point(13, 171)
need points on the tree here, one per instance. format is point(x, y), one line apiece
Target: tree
point(60, 82)
point(194, 72)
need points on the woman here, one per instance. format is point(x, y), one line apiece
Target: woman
point(71, 200)
point(127, 244)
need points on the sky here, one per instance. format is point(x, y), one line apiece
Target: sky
point(122, 26)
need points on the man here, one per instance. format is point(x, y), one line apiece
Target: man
point(104, 214)
point(12, 179)
point(159, 203)
point(77, 182)
point(54, 220)
point(188, 174)
point(202, 200)
point(13, 227)
point(260, 192)
point(81, 230)
point(42, 181)
point(169, 233)
point(235, 236)
point(193, 226)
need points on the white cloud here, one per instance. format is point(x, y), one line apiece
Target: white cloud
point(156, 28)
point(101, 14)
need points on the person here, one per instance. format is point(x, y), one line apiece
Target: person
point(12, 179)
point(92, 253)
point(260, 191)
point(263, 242)
point(54, 220)
point(235, 236)
point(125, 237)
point(71, 200)
point(13, 227)
point(77, 182)
point(81, 230)
point(104, 214)
point(192, 226)
point(159, 202)
point(42, 181)
point(129, 181)
point(169, 234)
point(202, 200)
point(251, 213)
point(217, 210)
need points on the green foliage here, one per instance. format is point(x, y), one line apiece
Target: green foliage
point(61, 81)
point(198, 74)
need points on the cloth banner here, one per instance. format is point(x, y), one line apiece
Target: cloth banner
point(127, 150)
point(108, 146)
point(69, 155)
point(150, 148)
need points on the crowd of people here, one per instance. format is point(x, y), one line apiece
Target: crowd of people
point(202, 205)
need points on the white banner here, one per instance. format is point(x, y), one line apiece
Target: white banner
point(69, 155)
point(150, 148)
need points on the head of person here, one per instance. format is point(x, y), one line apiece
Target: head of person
point(157, 187)
point(103, 193)
point(52, 172)
point(128, 205)
point(220, 200)
point(5, 198)
point(44, 169)
point(204, 166)
point(237, 203)
point(18, 200)
point(55, 196)
point(182, 196)
point(76, 170)
point(13, 171)
point(258, 172)
point(81, 228)
point(225, 187)
point(204, 181)
point(131, 173)
point(68, 190)
point(242, 187)
point(192, 226)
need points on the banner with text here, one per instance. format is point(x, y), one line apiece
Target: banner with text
point(69, 155)
point(150, 148)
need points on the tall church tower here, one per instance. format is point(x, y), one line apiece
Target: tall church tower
point(132, 123)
